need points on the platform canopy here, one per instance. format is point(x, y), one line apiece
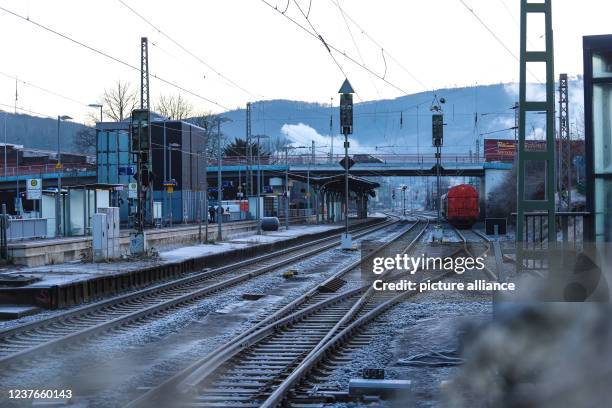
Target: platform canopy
point(357, 185)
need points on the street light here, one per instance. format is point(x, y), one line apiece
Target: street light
point(58, 167)
point(259, 181)
point(220, 179)
point(172, 147)
point(287, 147)
point(96, 105)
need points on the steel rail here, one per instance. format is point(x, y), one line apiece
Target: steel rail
point(467, 250)
point(189, 378)
point(153, 301)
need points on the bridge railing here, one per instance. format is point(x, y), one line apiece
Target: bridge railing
point(11, 171)
point(307, 159)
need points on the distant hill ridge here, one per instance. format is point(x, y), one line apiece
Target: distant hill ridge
point(390, 124)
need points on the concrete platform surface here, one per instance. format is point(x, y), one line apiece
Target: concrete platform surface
point(17, 311)
point(71, 283)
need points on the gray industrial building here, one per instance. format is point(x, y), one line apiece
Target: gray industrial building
point(177, 148)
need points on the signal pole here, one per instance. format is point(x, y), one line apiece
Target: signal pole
point(346, 124)
point(249, 180)
point(219, 184)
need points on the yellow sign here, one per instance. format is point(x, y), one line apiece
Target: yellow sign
point(170, 188)
point(58, 166)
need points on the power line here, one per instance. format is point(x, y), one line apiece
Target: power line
point(334, 48)
point(348, 28)
point(43, 89)
point(344, 13)
point(104, 54)
point(28, 111)
point(196, 57)
point(320, 38)
point(499, 40)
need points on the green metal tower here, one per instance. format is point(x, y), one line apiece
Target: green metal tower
point(547, 154)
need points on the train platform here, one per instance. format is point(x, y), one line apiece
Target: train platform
point(73, 283)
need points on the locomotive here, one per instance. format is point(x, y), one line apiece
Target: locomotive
point(460, 206)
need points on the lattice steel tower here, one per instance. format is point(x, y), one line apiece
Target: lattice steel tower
point(545, 156)
point(144, 73)
point(565, 146)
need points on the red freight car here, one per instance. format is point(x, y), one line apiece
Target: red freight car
point(460, 206)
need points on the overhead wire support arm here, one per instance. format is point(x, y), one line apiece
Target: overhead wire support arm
point(336, 49)
point(106, 55)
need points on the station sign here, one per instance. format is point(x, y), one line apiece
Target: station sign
point(34, 189)
point(344, 164)
point(133, 190)
point(127, 170)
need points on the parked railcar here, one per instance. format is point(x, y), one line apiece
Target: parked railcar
point(460, 206)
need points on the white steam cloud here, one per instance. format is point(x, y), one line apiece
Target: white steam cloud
point(304, 135)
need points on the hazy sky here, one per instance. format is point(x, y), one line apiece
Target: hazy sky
point(438, 42)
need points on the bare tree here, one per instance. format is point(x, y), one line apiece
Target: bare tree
point(85, 140)
point(119, 101)
point(174, 107)
point(208, 122)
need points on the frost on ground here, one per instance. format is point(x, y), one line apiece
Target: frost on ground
point(113, 369)
point(429, 322)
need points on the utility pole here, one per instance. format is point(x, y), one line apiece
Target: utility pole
point(197, 200)
point(331, 129)
point(258, 206)
point(404, 187)
point(219, 184)
point(206, 188)
point(58, 167)
point(312, 160)
point(346, 124)
point(287, 187)
point(516, 120)
point(141, 150)
point(249, 153)
point(565, 145)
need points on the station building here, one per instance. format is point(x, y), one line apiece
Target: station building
point(177, 149)
point(598, 135)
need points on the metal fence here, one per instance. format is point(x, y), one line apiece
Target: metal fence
point(3, 237)
point(27, 228)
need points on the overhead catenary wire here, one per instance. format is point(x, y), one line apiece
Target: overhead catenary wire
point(497, 38)
point(336, 49)
point(187, 51)
point(48, 91)
point(321, 38)
point(12, 106)
point(108, 56)
point(379, 45)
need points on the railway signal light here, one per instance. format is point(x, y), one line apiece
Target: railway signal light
point(437, 131)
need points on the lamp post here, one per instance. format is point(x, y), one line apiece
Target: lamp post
point(58, 166)
point(404, 188)
point(171, 147)
point(220, 178)
point(259, 181)
point(346, 124)
point(98, 106)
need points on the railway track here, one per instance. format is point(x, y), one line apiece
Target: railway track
point(248, 369)
point(470, 245)
point(301, 388)
point(150, 303)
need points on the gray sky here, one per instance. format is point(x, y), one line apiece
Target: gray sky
point(439, 42)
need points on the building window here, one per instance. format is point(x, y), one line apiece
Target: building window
point(602, 65)
point(602, 128)
point(603, 210)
